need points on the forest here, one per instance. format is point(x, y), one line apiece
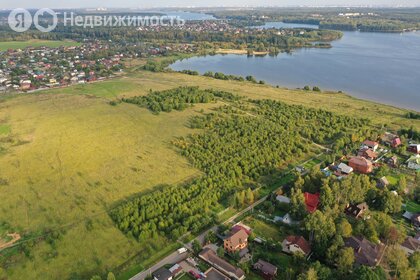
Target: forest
point(234, 148)
point(177, 99)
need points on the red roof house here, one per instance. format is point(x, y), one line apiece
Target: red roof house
point(311, 201)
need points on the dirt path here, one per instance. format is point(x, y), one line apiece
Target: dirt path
point(15, 237)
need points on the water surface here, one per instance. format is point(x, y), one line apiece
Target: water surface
point(382, 67)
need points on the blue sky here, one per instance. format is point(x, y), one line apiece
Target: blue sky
point(171, 3)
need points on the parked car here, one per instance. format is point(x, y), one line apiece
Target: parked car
point(195, 274)
point(182, 250)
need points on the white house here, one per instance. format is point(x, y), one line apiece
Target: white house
point(414, 162)
point(344, 168)
point(283, 199)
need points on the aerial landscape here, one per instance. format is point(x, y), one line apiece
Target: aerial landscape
point(217, 140)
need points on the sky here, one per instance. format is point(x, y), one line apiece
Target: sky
point(9, 4)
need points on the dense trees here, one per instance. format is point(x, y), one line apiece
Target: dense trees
point(176, 99)
point(231, 149)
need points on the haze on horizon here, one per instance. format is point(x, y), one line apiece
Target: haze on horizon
point(9, 4)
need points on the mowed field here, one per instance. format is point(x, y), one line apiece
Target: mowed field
point(76, 157)
point(35, 43)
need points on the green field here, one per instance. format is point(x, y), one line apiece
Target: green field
point(35, 43)
point(4, 129)
point(74, 157)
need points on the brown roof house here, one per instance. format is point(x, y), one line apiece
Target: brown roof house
point(236, 242)
point(365, 252)
point(368, 154)
point(267, 270)
point(361, 165)
point(296, 244)
point(356, 210)
point(220, 264)
point(410, 245)
point(371, 145)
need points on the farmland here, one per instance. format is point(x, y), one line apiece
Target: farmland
point(35, 43)
point(74, 157)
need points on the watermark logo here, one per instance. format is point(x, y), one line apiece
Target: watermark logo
point(20, 20)
point(51, 24)
point(46, 20)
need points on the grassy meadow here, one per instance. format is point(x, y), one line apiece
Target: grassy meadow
point(35, 43)
point(71, 156)
point(76, 156)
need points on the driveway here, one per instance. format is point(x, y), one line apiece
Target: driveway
point(171, 259)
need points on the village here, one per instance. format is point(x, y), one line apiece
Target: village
point(266, 242)
point(38, 68)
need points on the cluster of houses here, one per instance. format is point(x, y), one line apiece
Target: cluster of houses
point(44, 67)
point(369, 154)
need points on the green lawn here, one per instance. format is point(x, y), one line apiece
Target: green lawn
point(4, 129)
point(35, 43)
point(412, 207)
point(79, 157)
point(265, 229)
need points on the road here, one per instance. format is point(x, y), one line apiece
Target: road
point(175, 257)
point(171, 259)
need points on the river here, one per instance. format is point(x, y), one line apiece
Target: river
point(382, 67)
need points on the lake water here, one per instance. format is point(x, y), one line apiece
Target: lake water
point(381, 67)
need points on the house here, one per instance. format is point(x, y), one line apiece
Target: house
point(210, 256)
point(365, 252)
point(391, 140)
point(393, 161)
point(283, 199)
point(311, 201)
point(162, 274)
point(410, 245)
point(296, 244)
point(237, 227)
point(267, 270)
point(25, 85)
point(383, 182)
point(361, 165)
point(236, 242)
point(356, 210)
point(175, 270)
point(371, 145)
point(415, 220)
point(214, 274)
point(414, 148)
point(368, 154)
point(344, 168)
point(414, 162)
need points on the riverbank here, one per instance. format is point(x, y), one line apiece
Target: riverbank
point(239, 52)
point(381, 67)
